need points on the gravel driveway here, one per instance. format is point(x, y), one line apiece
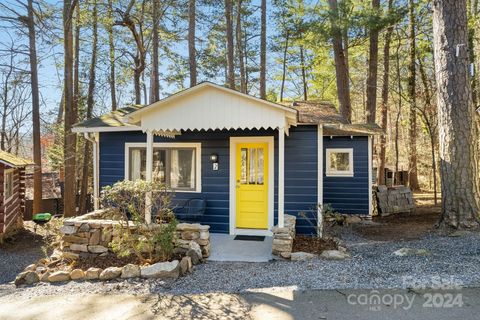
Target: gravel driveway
point(17, 253)
point(373, 265)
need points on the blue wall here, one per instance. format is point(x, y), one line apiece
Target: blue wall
point(348, 194)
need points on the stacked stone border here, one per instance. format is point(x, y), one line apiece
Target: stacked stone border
point(89, 236)
point(283, 237)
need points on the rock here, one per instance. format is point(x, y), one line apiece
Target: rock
point(95, 237)
point(85, 227)
point(59, 276)
point(92, 273)
point(195, 252)
point(68, 229)
point(403, 252)
point(301, 256)
point(285, 255)
point(31, 267)
point(44, 277)
point(280, 230)
point(79, 247)
point(74, 239)
point(56, 255)
point(20, 278)
point(202, 242)
point(192, 227)
point(161, 270)
point(190, 235)
point(185, 265)
point(334, 255)
point(130, 271)
point(32, 277)
point(353, 220)
point(180, 251)
point(41, 269)
point(206, 251)
point(77, 274)
point(97, 249)
point(342, 249)
point(205, 235)
point(110, 273)
point(70, 255)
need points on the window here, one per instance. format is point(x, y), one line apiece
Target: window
point(8, 184)
point(339, 162)
point(176, 165)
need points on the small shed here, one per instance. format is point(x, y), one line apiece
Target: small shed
point(12, 191)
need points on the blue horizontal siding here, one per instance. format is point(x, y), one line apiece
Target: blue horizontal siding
point(215, 184)
point(348, 195)
point(301, 172)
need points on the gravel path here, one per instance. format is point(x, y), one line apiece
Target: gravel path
point(455, 260)
point(17, 253)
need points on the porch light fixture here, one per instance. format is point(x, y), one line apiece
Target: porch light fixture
point(214, 158)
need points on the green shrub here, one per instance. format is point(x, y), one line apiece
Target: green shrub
point(148, 242)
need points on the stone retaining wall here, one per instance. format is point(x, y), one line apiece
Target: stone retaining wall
point(90, 234)
point(394, 200)
point(283, 237)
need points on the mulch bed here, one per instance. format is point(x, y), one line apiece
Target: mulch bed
point(312, 244)
point(110, 260)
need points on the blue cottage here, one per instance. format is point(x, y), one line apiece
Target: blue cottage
point(252, 160)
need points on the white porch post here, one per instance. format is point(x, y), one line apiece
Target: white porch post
point(281, 176)
point(96, 187)
point(148, 177)
point(370, 182)
point(320, 180)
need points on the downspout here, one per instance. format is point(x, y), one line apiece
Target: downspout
point(94, 142)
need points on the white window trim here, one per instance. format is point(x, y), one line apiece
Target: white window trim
point(335, 173)
point(198, 159)
point(5, 172)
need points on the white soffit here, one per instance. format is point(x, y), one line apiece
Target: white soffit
point(210, 107)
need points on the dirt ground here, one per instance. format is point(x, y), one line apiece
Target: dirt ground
point(403, 226)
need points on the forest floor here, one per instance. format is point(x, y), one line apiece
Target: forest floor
point(404, 226)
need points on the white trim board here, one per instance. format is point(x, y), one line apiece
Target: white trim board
point(319, 175)
point(198, 159)
point(370, 182)
point(271, 184)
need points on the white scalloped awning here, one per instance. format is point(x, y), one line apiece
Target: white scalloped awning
point(208, 106)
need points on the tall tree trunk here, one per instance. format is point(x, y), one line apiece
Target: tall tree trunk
point(192, 53)
point(229, 36)
point(5, 107)
point(155, 85)
point(340, 58)
point(458, 170)
point(239, 37)
point(304, 74)
point(429, 125)
point(412, 129)
point(373, 67)
point(385, 89)
point(263, 50)
point(70, 112)
point(111, 56)
point(284, 69)
point(399, 111)
point(37, 147)
point(90, 101)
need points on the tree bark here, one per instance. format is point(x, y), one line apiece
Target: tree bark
point(284, 69)
point(155, 85)
point(192, 54)
point(412, 128)
point(37, 147)
point(229, 37)
point(385, 89)
point(87, 154)
point(458, 170)
point(111, 56)
point(340, 58)
point(304, 74)
point(373, 68)
point(70, 143)
point(263, 50)
point(239, 37)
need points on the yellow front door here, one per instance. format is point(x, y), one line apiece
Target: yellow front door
point(252, 185)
